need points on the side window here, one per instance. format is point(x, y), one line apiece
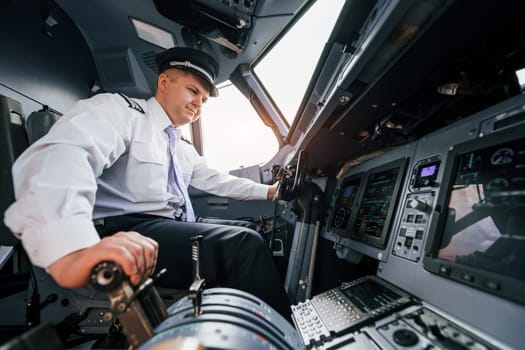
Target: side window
point(234, 136)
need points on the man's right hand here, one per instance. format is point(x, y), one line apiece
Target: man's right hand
point(135, 253)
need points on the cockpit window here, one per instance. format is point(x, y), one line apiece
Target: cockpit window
point(234, 137)
point(286, 70)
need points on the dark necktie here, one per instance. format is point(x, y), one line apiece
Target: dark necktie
point(176, 179)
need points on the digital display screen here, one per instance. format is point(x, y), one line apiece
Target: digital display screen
point(347, 195)
point(369, 295)
point(427, 174)
point(485, 221)
point(344, 202)
point(376, 202)
point(428, 171)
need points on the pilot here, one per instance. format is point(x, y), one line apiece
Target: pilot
point(109, 182)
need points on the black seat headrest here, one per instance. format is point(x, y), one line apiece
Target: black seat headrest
point(39, 123)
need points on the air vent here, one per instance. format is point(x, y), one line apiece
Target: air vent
point(149, 60)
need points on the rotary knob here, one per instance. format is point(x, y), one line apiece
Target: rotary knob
point(405, 337)
point(417, 204)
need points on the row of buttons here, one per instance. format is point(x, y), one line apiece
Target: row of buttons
point(336, 311)
point(309, 323)
point(469, 278)
point(417, 219)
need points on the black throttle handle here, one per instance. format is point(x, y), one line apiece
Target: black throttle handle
point(107, 276)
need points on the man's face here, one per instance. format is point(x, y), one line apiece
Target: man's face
point(181, 94)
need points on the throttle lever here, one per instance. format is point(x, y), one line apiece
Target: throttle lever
point(139, 310)
point(196, 288)
point(106, 276)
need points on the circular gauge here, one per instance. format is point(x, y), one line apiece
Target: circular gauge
point(502, 156)
point(340, 218)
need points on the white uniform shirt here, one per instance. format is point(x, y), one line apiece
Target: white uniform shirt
point(103, 158)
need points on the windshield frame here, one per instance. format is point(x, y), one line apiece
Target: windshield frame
point(323, 55)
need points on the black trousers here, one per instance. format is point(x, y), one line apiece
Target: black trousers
point(230, 256)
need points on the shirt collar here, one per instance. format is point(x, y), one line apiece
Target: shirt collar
point(158, 115)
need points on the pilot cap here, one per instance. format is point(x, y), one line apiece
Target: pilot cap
point(193, 60)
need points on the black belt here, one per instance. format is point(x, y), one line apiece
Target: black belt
point(99, 223)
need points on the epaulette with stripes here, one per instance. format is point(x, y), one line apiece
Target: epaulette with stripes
point(132, 104)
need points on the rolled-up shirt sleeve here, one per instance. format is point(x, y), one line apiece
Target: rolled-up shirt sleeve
point(55, 180)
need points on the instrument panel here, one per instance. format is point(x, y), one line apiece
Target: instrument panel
point(479, 158)
point(343, 309)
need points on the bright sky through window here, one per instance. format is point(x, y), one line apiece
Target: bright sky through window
point(286, 70)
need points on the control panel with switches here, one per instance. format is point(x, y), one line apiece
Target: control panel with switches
point(414, 225)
